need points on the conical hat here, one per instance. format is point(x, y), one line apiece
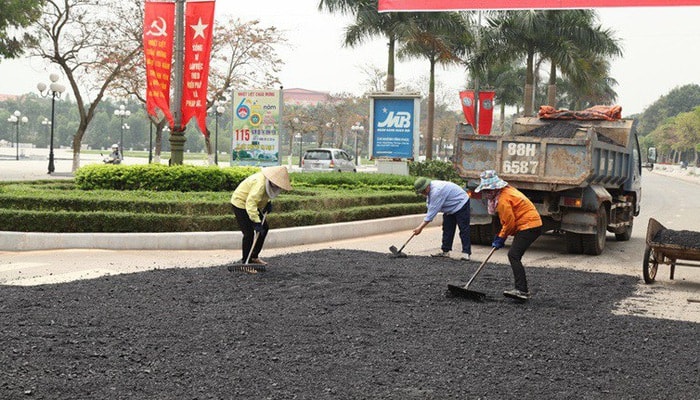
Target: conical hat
point(279, 176)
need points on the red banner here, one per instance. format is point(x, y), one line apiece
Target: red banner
point(158, 21)
point(454, 5)
point(485, 109)
point(199, 29)
point(486, 112)
point(466, 97)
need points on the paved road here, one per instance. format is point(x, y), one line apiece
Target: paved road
point(670, 195)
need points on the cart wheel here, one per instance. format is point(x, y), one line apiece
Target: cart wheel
point(650, 266)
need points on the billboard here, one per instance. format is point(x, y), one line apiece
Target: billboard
point(256, 127)
point(394, 125)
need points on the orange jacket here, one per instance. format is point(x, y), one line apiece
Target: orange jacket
point(516, 212)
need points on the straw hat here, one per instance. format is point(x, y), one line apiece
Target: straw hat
point(490, 181)
point(279, 176)
point(421, 184)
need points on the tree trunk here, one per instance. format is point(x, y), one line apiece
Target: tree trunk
point(390, 66)
point(529, 90)
point(552, 87)
point(431, 114)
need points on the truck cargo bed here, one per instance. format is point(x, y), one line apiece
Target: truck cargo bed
point(551, 155)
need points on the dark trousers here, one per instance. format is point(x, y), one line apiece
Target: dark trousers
point(246, 226)
point(450, 222)
point(521, 242)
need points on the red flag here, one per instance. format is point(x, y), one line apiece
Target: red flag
point(199, 29)
point(445, 5)
point(486, 112)
point(466, 97)
point(158, 21)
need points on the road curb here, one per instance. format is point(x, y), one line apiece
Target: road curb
point(228, 240)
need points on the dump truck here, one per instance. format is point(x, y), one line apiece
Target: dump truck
point(583, 176)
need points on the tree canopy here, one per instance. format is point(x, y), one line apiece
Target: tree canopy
point(14, 16)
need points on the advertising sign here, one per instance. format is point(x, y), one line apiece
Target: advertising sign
point(394, 126)
point(256, 132)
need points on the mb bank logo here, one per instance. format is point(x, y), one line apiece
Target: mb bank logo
point(400, 119)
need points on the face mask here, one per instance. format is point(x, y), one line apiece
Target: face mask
point(271, 189)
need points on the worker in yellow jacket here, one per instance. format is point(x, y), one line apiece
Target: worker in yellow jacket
point(519, 218)
point(251, 199)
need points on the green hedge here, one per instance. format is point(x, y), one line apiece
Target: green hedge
point(101, 221)
point(157, 198)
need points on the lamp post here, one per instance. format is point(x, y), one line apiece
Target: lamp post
point(299, 138)
point(218, 109)
point(357, 128)
point(121, 113)
point(15, 119)
point(47, 123)
point(55, 89)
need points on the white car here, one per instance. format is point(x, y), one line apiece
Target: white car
point(327, 159)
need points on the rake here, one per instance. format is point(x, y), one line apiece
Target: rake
point(463, 291)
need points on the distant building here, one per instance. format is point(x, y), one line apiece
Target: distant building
point(305, 97)
point(5, 97)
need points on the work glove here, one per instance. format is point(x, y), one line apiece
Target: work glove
point(268, 208)
point(257, 227)
point(498, 242)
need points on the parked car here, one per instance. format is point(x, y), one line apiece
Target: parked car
point(327, 159)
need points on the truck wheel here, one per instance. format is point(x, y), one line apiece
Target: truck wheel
point(626, 234)
point(574, 245)
point(594, 244)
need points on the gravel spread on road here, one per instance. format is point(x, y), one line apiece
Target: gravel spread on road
point(340, 324)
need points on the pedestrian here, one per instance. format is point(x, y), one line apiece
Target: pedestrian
point(251, 200)
point(453, 201)
point(519, 218)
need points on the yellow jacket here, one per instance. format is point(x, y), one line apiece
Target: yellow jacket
point(516, 212)
point(251, 195)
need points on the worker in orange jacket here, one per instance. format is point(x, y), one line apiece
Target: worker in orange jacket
point(519, 218)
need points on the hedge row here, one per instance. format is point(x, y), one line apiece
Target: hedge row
point(107, 221)
point(185, 178)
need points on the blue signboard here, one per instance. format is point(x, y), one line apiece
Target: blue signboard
point(393, 126)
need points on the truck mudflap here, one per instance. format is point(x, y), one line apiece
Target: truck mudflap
point(582, 222)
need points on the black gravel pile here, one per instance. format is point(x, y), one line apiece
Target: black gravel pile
point(340, 325)
point(683, 238)
point(563, 130)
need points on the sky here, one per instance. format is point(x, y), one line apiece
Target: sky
point(661, 51)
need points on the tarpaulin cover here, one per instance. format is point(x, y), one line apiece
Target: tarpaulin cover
point(610, 113)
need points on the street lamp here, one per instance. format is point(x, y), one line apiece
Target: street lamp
point(55, 89)
point(298, 137)
point(47, 124)
point(218, 109)
point(357, 128)
point(121, 113)
point(15, 119)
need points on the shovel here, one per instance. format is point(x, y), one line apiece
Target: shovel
point(396, 253)
point(247, 267)
point(463, 291)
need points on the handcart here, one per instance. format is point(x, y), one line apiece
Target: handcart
point(665, 253)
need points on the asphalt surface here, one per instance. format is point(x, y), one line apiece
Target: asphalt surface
point(63, 257)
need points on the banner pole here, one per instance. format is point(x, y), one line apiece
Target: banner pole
point(177, 136)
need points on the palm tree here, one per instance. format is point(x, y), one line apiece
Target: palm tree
point(567, 38)
point(573, 43)
point(441, 38)
point(370, 23)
